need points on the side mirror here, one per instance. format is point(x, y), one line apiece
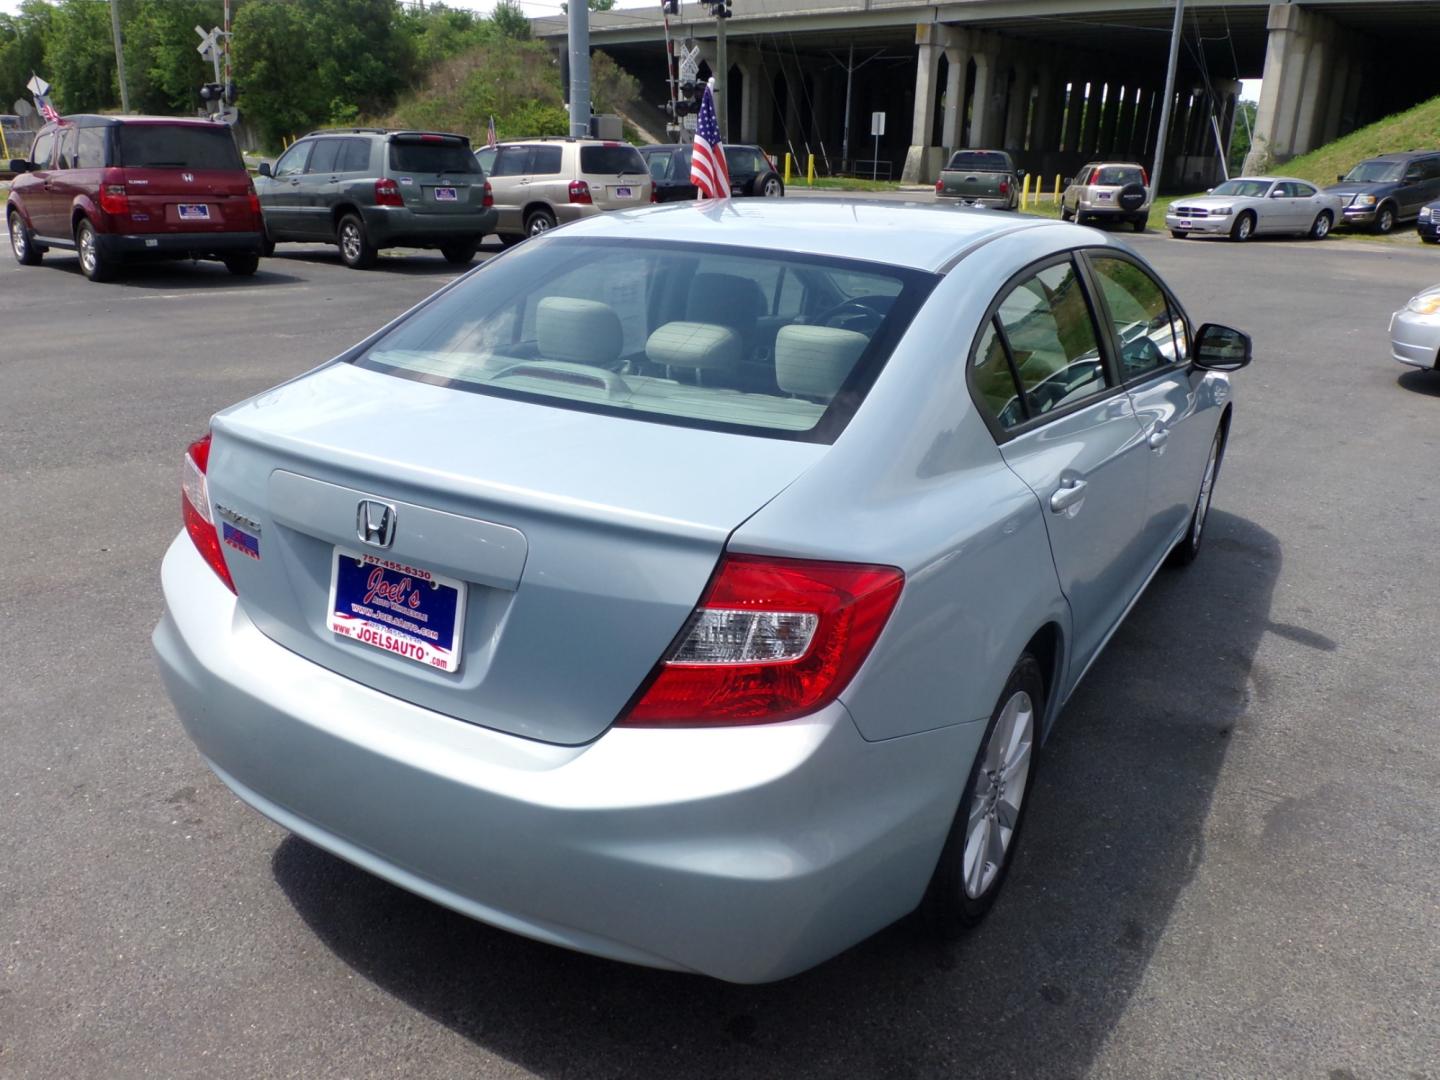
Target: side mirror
point(1339, 178)
point(1209, 191)
point(1069, 181)
point(264, 169)
point(1413, 178)
point(1277, 194)
point(19, 165)
point(1219, 348)
point(1020, 173)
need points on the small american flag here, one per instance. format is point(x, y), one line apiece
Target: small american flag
point(490, 139)
point(47, 110)
point(708, 170)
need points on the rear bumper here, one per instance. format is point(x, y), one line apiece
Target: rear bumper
point(179, 245)
point(397, 226)
point(984, 203)
point(1110, 210)
point(1415, 339)
point(747, 854)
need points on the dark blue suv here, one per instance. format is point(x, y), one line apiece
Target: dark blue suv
point(1382, 191)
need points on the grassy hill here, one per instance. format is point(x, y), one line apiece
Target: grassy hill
point(1414, 129)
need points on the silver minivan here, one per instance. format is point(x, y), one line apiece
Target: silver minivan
point(541, 183)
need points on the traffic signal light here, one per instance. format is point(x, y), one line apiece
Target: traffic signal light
point(210, 92)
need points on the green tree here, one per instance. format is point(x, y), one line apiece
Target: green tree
point(1240, 139)
point(80, 57)
point(162, 67)
point(22, 48)
point(510, 21)
point(438, 32)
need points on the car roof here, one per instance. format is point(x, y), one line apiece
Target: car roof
point(917, 235)
point(94, 120)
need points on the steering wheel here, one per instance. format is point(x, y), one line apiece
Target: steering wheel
point(865, 314)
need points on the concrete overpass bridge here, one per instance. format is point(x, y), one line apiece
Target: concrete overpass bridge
point(1056, 82)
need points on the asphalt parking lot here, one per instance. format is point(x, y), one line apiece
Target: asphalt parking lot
point(1230, 867)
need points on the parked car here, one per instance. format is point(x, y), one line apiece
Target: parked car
point(1415, 331)
point(122, 188)
point(542, 183)
point(713, 617)
point(1253, 205)
point(1108, 191)
point(986, 178)
point(1381, 192)
point(1427, 223)
point(751, 172)
point(366, 189)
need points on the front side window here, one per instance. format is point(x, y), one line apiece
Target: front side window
point(659, 165)
point(486, 157)
point(673, 333)
point(743, 161)
point(511, 161)
point(1052, 342)
point(292, 162)
point(1150, 331)
point(323, 157)
point(41, 150)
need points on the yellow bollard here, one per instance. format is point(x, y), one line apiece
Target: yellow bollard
point(4, 148)
point(1057, 187)
point(810, 171)
point(787, 168)
point(1025, 192)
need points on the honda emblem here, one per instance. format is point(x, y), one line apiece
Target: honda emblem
point(188, 177)
point(375, 523)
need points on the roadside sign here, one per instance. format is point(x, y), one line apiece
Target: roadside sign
point(209, 43)
point(38, 86)
point(877, 124)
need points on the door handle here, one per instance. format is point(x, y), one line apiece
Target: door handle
point(334, 179)
point(1158, 438)
point(1069, 495)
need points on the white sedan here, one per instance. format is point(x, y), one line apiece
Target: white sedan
point(1246, 206)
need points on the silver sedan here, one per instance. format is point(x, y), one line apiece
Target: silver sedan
point(1255, 206)
point(695, 586)
point(1415, 331)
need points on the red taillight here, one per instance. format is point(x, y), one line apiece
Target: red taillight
point(252, 198)
point(489, 199)
point(771, 639)
point(387, 193)
point(939, 185)
point(195, 508)
point(580, 192)
point(654, 195)
point(1004, 186)
point(113, 199)
point(1145, 176)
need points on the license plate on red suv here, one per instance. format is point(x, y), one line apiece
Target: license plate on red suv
point(193, 212)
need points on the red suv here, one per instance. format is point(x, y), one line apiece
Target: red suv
point(115, 188)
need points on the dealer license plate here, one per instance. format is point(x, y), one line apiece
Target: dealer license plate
point(193, 212)
point(402, 609)
point(623, 192)
point(444, 194)
point(1183, 223)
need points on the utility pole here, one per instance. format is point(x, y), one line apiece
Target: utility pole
point(579, 11)
point(119, 55)
point(1169, 99)
point(722, 69)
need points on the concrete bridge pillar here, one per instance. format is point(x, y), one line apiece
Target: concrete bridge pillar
point(1017, 108)
point(981, 132)
point(957, 59)
point(1043, 135)
point(922, 163)
point(1294, 114)
point(750, 96)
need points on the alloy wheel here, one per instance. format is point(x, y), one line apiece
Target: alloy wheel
point(87, 250)
point(350, 242)
point(772, 188)
point(998, 794)
point(18, 242)
point(1322, 227)
point(539, 224)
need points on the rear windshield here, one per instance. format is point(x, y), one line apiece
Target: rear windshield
point(423, 157)
point(730, 339)
point(980, 161)
point(1119, 175)
point(610, 160)
point(176, 146)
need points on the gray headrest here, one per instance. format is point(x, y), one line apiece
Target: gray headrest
point(699, 346)
point(726, 299)
point(813, 361)
point(581, 331)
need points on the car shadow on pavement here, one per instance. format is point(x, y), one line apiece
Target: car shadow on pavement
point(1114, 835)
point(1421, 382)
point(180, 274)
point(420, 263)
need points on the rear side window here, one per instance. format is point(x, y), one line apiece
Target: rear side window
point(432, 157)
point(1050, 345)
point(1119, 176)
point(354, 156)
point(610, 160)
point(545, 160)
point(90, 153)
point(685, 334)
point(176, 146)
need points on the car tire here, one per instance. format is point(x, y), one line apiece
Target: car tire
point(460, 254)
point(1384, 219)
point(981, 845)
point(22, 243)
point(509, 239)
point(267, 246)
point(356, 251)
point(1065, 214)
point(1079, 216)
point(94, 264)
point(1320, 228)
point(1178, 235)
point(242, 265)
point(539, 221)
point(770, 187)
point(1141, 223)
point(1244, 227)
point(1423, 240)
point(1189, 546)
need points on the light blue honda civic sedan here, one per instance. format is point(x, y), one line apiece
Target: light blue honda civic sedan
point(694, 586)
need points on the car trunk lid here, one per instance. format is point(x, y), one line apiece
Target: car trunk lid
point(436, 174)
point(616, 175)
point(182, 178)
point(580, 543)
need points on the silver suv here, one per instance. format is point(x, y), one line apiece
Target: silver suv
point(541, 183)
point(1108, 190)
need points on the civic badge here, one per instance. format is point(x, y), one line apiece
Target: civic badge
point(188, 177)
point(375, 523)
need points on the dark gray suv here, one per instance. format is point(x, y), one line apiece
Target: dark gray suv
point(364, 189)
point(1381, 191)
